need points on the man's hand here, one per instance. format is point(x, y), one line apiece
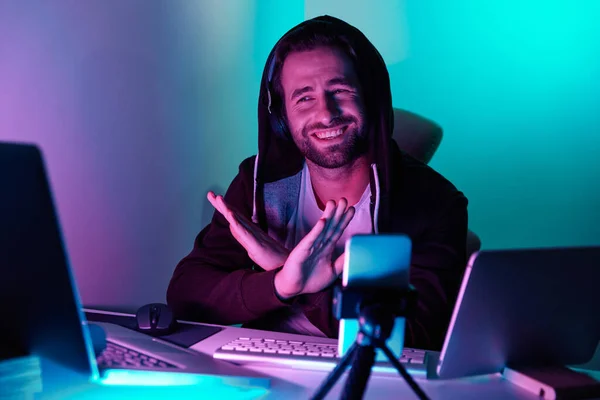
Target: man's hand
point(262, 249)
point(309, 267)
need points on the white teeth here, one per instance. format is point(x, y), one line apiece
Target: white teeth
point(329, 134)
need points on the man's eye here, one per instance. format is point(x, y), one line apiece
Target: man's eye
point(303, 99)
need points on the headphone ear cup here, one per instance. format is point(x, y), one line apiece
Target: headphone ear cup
point(277, 123)
point(279, 127)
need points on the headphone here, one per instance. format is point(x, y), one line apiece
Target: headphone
point(278, 125)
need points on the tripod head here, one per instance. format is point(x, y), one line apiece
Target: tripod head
point(376, 324)
point(348, 302)
point(376, 311)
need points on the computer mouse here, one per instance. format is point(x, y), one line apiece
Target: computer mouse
point(155, 319)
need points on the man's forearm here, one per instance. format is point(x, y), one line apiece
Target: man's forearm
point(208, 294)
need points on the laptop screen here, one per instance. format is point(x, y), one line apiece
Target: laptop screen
point(41, 307)
point(524, 307)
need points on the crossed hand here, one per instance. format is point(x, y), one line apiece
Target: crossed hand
point(309, 267)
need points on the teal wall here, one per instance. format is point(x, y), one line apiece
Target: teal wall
point(516, 87)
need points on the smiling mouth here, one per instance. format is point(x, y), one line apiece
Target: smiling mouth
point(330, 133)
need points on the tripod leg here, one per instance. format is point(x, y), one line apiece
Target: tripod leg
point(335, 374)
point(359, 373)
point(402, 371)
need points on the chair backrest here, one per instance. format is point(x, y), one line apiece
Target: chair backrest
point(420, 138)
point(416, 135)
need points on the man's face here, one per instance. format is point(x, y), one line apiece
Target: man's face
point(323, 105)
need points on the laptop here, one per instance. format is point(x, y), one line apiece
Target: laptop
point(41, 308)
point(515, 307)
point(524, 308)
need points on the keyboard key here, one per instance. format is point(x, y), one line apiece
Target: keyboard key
point(119, 356)
point(277, 349)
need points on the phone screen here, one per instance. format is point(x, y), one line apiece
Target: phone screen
point(375, 261)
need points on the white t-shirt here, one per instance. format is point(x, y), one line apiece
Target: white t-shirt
point(304, 218)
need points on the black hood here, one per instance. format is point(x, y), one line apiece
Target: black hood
point(278, 156)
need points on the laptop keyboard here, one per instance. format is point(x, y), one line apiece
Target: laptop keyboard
point(245, 348)
point(115, 355)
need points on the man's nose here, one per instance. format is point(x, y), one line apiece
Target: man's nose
point(328, 109)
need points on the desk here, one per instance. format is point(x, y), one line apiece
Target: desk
point(59, 383)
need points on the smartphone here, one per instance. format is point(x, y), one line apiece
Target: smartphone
point(375, 261)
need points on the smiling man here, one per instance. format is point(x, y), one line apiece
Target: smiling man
point(326, 168)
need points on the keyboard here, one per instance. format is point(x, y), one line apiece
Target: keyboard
point(303, 354)
point(116, 356)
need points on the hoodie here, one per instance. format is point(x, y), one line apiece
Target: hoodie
point(218, 283)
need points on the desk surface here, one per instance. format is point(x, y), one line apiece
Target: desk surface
point(59, 383)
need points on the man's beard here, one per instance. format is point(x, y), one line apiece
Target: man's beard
point(354, 145)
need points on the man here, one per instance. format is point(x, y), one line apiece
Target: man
point(326, 169)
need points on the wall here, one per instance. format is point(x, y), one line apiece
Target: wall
point(141, 107)
point(515, 86)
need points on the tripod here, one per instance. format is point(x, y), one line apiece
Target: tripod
point(376, 322)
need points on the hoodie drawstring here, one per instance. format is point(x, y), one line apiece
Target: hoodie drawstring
point(377, 190)
point(254, 214)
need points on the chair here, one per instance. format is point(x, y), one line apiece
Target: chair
point(420, 138)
